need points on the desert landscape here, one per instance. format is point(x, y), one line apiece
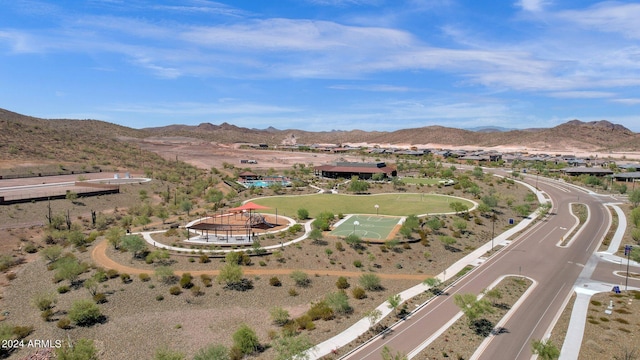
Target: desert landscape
point(146, 314)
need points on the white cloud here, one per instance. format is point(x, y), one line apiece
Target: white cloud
point(628, 101)
point(533, 5)
point(582, 94)
point(608, 16)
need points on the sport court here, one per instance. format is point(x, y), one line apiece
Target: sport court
point(367, 226)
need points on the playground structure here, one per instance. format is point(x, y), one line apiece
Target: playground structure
point(238, 226)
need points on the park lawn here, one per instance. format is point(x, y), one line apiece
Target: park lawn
point(389, 204)
point(418, 181)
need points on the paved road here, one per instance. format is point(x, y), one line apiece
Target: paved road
point(535, 254)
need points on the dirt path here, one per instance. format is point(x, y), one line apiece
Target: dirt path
point(99, 256)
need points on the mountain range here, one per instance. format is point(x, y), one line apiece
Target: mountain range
point(26, 137)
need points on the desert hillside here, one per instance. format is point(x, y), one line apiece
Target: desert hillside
point(106, 144)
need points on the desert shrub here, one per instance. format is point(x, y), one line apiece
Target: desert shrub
point(357, 263)
point(82, 349)
point(246, 340)
point(300, 278)
point(30, 248)
point(101, 276)
point(339, 246)
point(165, 274)
point(295, 228)
point(22, 332)
point(212, 352)
point(204, 259)
point(320, 310)
point(358, 293)
point(206, 280)
point(126, 278)
point(64, 323)
point(370, 282)
point(262, 263)
point(175, 290)
point(293, 292)
point(342, 283)
point(166, 354)
point(159, 297)
point(186, 281)
point(112, 273)
point(274, 281)
point(196, 291)
point(46, 314)
point(44, 301)
point(63, 289)
point(144, 277)
point(279, 315)
point(100, 298)
point(240, 285)
point(338, 302)
point(85, 313)
point(304, 322)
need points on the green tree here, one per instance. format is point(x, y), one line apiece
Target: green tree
point(51, 253)
point(246, 340)
point(186, 206)
point(292, 347)
point(634, 197)
point(83, 349)
point(458, 207)
point(303, 214)
point(338, 302)
point(472, 307)
point(230, 273)
point(85, 313)
point(316, 236)
point(545, 349)
point(373, 316)
point(358, 186)
point(635, 217)
point(370, 282)
point(114, 236)
point(134, 244)
point(68, 268)
point(212, 352)
point(394, 302)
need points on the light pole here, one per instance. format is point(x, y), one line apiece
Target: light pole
point(627, 252)
point(355, 223)
point(377, 207)
point(493, 227)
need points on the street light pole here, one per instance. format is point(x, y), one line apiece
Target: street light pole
point(627, 251)
point(493, 227)
point(376, 206)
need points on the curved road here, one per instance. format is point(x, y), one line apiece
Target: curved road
point(536, 254)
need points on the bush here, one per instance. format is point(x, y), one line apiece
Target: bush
point(339, 246)
point(85, 313)
point(63, 289)
point(206, 280)
point(196, 291)
point(303, 214)
point(64, 323)
point(100, 298)
point(185, 281)
point(358, 293)
point(342, 283)
point(82, 349)
point(370, 282)
point(338, 302)
point(175, 290)
point(320, 310)
point(112, 273)
point(279, 315)
point(22, 332)
point(44, 301)
point(293, 292)
point(204, 259)
point(246, 340)
point(357, 263)
point(144, 277)
point(159, 297)
point(300, 278)
point(46, 314)
point(304, 322)
point(30, 248)
point(126, 278)
point(274, 281)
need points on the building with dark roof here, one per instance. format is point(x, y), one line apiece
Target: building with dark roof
point(348, 169)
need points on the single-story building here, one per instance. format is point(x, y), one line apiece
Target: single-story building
point(348, 169)
point(595, 171)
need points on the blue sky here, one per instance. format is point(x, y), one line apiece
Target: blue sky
point(323, 64)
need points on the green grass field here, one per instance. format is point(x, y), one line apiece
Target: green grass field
point(369, 227)
point(389, 204)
